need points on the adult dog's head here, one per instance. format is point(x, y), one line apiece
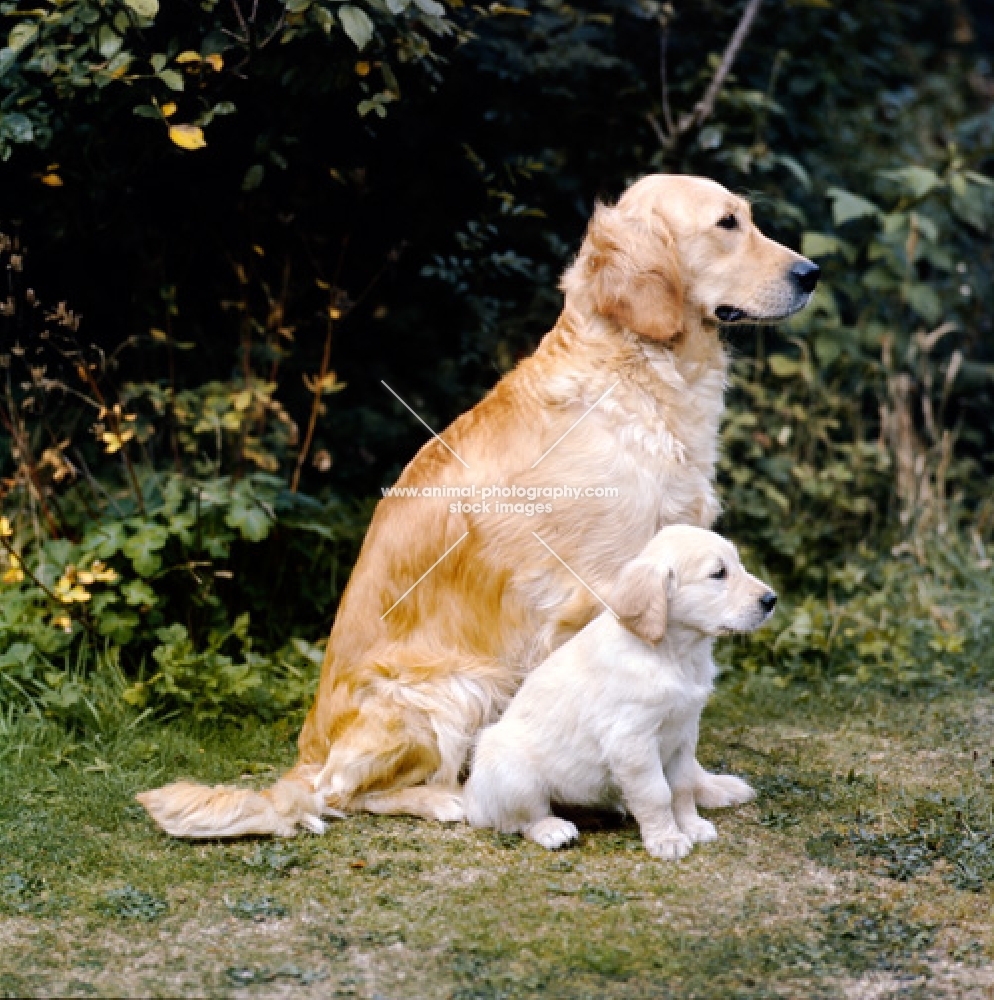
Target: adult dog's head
point(676, 249)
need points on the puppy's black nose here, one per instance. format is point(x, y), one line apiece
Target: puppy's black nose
point(768, 601)
point(805, 275)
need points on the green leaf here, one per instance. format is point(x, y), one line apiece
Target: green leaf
point(430, 7)
point(21, 35)
point(916, 181)
point(398, 6)
point(109, 42)
point(823, 245)
point(783, 366)
point(141, 548)
point(847, 206)
point(138, 592)
point(253, 177)
point(925, 301)
point(18, 127)
point(143, 8)
point(248, 517)
point(357, 25)
point(172, 78)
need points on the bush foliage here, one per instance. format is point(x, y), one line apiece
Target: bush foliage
point(224, 224)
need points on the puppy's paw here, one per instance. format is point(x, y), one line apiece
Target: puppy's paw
point(718, 791)
point(670, 846)
point(552, 832)
point(700, 830)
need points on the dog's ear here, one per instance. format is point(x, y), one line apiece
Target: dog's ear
point(633, 274)
point(640, 599)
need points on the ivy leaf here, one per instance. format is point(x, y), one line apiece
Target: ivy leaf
point(248, 517)
point(357, 25)
point(847, 206)
point(142, 548)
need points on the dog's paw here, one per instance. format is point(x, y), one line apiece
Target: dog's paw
point(552, 832)
point(669, 847)
point(718, 791)
point(700, 830)
point(447, 807)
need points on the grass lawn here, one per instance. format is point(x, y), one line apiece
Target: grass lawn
point(864, 869)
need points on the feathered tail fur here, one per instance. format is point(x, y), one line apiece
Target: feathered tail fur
point(185, 809)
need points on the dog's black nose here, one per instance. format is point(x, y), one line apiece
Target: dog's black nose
point(805, 275)
point(768, 601)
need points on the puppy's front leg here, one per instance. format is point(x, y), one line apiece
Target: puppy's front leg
point(718, 791)
point(646, 792)
point(681, 772)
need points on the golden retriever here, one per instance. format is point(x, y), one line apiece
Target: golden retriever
point(610, 719)
point(450, 604)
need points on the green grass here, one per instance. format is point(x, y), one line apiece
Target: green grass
point(861, 870)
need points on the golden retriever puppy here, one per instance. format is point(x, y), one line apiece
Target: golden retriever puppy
point(453, 601)
point(610, 719)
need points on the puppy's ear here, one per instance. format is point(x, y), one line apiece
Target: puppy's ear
point(640, 599)
point(633, 274)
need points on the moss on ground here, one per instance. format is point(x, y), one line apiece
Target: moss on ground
point(863, 869)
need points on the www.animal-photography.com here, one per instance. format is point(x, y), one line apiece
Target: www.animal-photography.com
point(495, 499)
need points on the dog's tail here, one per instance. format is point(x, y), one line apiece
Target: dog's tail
point(185, 809)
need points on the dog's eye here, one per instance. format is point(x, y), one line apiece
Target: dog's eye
point(728, 221)
point(719, 574)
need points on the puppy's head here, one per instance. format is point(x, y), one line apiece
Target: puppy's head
point(675, 246)
point(693, 578)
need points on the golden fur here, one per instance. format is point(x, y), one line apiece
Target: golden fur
point(406, 686)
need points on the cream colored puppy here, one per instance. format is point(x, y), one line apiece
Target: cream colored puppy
point(610, 719)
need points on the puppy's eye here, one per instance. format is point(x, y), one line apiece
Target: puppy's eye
point(719, 574)
point(728, 221)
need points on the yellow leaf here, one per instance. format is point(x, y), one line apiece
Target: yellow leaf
point(169, 109)
point(63, 622)
point(5, 529)
point(102, 573)
point(215, 60)
point(52, 180)
point(362, 68)
point(115, 442)
point(187, 136)
point(160, 335)
point(188, 57)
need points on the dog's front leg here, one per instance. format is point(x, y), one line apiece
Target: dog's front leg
point(681, 772)
point(718, 791)
point(647, 795)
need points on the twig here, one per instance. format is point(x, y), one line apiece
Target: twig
point(333, 314)
point(664, 89)
point(704, 108)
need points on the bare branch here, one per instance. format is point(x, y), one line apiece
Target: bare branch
point(664, 38)
point(705, 108)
